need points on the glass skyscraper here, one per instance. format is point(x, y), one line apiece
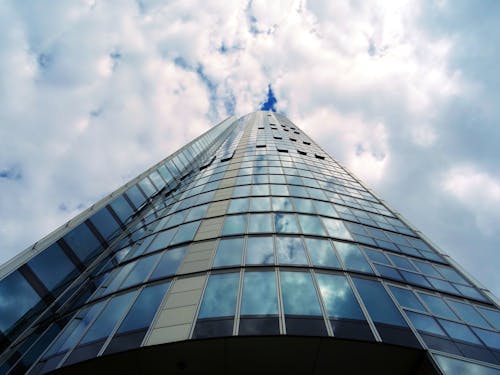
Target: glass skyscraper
point(249, 249)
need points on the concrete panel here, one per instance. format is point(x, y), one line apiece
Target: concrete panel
point(187, 283)
point(183, 299)
point(174, 317)
point(169, 334)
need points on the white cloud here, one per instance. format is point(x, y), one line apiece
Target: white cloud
point(92, 93)
point(479, 192)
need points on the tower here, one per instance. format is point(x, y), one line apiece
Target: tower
point(249, 249)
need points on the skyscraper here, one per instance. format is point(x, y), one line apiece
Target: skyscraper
point(250, 249)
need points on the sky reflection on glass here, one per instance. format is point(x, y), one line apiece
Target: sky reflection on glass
point(299, 294)
point(219, 299)
point(322, 253)
point(260, 250)
point(338, 297)
point(259, 294)
point(229, 252)
point(290, 251)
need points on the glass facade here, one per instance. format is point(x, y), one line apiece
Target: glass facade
point(250, 230)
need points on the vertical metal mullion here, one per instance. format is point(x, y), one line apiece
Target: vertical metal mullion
point(281, 309)
point(236, 324)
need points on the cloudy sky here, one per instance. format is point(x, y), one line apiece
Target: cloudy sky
point(405, 94)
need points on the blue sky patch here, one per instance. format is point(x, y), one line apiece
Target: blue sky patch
point(269, 104)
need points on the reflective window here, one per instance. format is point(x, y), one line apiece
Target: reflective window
point(304, 205)
point(442, 285)
point(235, 224)
point(169, 263)
point(185, 232)
point(311, 225)
point(122, 208)
point(290, 251)
point(336, 228)
point(451, 274)
point(401, 262)
point(105, 323)
point(352, 257)
point(82, 242)
point(43, 266)
point(376, 256)
point(491, 339)
point(338, 297)
point(141, 270)
point(238, 205)
point(325, 208)
point(105, 223)
point(492, 316)
point(162, 240)
point(197, 213)
point(144, 308)
point(286, 223)
point(426, 268)
point(220, 296)
point(259, 294)
point(282, 204)
point(468, 314)
point(260, 204)
point(388, 272)
point(437, 306)
point(17, 298)
point(299, 294)
point(229, 252)
point(260, 250)
point(425, 323)
point(459, 331)
point(406, 298)
point(453, 366)
point(279, 190)
point(322, 253)
point(415, 278)
point(260, 223)
point(379, 304)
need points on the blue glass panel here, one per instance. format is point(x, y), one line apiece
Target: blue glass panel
point(282, 204)
point(136, 196)
point(162, 240)
point(425, 323)
point(437, 306)
point(52, 258)
point(147, 187)
point(259, 294)
point(376, 256)
point(304, 205)
point(459, 331)
point(388, 272)
point(169, 263)
point(141, 270)
point(336, 228)
point(325, 208)
point(260, 250)
point(219, 299)
point(322, 253)
point(290, 251)
point(229, 252)
point(260, 223)
point(426, 268)
point(415, 278)
point(379, 304)
point(105, 224)
point(311, 225)
point(442, 285)
point(490, 338)
point(352, 257)
point(338, 297)
point(185, 232)
point(197, 213)
point(492, 316)
point(122, 208)
point(83, 243)
point(451, 275)
point(260, 204)
point(17, 297)
point(406, 298)
point(238, 205)
point(235, 224)
point(286, 223)
point(454, 366)
point(299, 294)
point(144, 308)
point(401, 262)
point(109, 317)
point(468, 314)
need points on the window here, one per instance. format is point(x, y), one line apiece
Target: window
point(219, 299)
point(352, 257)
point(322, 253)
point(286, 223)
point(229, 252)
point(260, 223)
point(311, 225)
point(299, 294)
point(290, 251)
point(406, 298)
point(259, 294)
point(336, 228)
point(437, 306)
point(425, 323)
point(169, 263)
point(235, 224)
point(338, 297)
point(260, 250)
